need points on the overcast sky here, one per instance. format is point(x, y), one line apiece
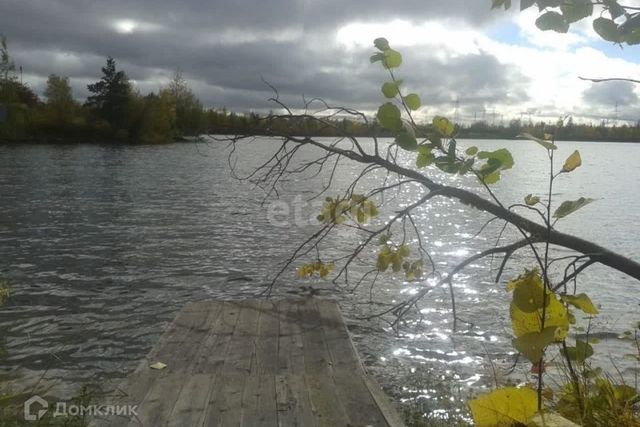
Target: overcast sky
point(494, 64)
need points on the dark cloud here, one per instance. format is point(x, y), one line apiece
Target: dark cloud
point(619, 93)
point(226, 49)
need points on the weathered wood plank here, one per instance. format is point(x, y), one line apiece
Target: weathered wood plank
point(170, 346)
point(156, 407)
point(327, 407)
point(225, 403)
point(259, 398)
point(292, 394)
point(290, 347)
point(293, 402)
point(255, 363)
point(349, 386)
point(190, 408)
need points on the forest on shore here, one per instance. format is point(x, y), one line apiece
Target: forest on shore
point(117, 113)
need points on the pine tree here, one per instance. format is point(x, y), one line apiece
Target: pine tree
point(111, 95)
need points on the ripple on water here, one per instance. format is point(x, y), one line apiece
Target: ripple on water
point(103, 245)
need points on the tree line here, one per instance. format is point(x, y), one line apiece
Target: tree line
point(116, 112)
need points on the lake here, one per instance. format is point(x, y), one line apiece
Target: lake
point(102, 245)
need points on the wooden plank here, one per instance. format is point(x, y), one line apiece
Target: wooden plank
point(347, 372)
point(326, 406)
point(259, 396)
point(267, 341)
point(292, 395)
point(293, 402)
point(157, 405)
point(135, 388)
point(346, 354)
point(255, 363)
point(225, 403)
point(259, 402)
point(215, 347)
point(190, 408)
point(290, 346)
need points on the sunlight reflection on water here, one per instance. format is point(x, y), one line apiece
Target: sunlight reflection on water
point(104, 244)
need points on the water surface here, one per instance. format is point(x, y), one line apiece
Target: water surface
point(102, 245)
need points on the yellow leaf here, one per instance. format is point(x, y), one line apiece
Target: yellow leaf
point(550, 419)
point(444, 127)
point(532, 345)
point(556, 315)
point(528, 293)
point(504, 407)
point(527, 322)
point(582, 301)
point(572, 162)
point(158, 365)
point(531, 200)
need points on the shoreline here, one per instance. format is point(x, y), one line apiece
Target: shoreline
point(184, 139)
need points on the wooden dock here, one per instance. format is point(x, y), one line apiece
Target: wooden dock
point(254, 363)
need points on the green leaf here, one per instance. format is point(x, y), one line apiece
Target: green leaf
point(425, 157)
point(404, 251)
point(552, 21)
point(581, 301)
point(504, 407)
point(495, 4)
point(543, 4)
point(491, 178)
point(389, 116)
point(381, 43)
point(444, 127)
point(466, 166)
point(615, 10)
point(382, 240)
point(546, 144)
point(407, 141)
point(531, 200)
point(412, 101)
point(607, 29)
point(376, 57)
point(573, 162)
point(444, 164)
point(390, 89)
point(569, 207)
point(581, 352)
point(502, 155)
point(532, 345)
point(576, 10)
point(625, 393)
point(472, 151)
point(392, 59)
point(526, 4)
point(633, 38)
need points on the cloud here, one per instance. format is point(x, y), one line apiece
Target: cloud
point(611, 93)
point(316, 49)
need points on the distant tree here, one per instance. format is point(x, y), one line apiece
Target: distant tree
point(58, 91)
point(188, 109)
point(16, 99)
point(7, 67)
point(61, 114)
point(60, 103)
point(154, 118)
point(112, 95)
